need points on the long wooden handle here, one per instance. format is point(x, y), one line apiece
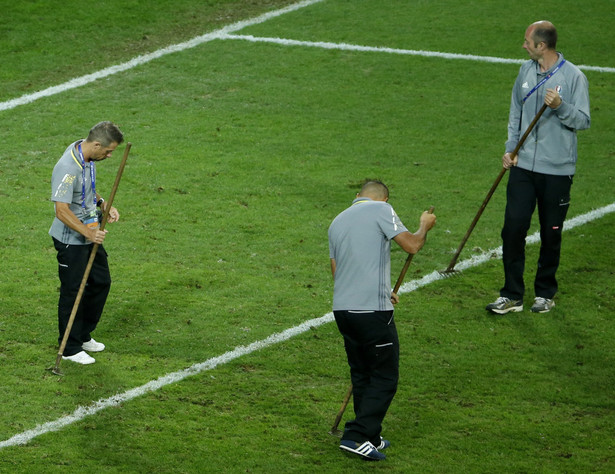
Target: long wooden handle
point(116, 184)
point(400, 279)
point(495, 184)
point(338, 418)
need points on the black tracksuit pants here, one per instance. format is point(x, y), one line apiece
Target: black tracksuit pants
point(72, 262)
point(525, 190)
point(372, 348)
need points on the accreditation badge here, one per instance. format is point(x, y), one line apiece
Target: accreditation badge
point(91, 221)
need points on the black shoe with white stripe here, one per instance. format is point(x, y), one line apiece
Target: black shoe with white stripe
point(384, 444)
point(366, 449)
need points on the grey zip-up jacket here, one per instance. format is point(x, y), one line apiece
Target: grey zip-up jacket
point(551, 147)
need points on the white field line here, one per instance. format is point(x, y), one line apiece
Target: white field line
point(225, 33)
point(377, 49)
point(139, 60)
point(82, 412)
point(479, 259)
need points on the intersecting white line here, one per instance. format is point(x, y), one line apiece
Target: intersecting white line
point(139, 60)
point(226, 34)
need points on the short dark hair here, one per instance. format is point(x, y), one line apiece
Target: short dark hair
point(546, 33)
point(374, 187)
point(105, 133)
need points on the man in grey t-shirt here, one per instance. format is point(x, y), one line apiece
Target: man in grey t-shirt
point(359, 248)
point(74, 231)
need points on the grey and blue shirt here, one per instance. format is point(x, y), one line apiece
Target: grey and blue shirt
point(67, 186)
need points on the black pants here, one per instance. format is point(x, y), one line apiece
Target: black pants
point(72, 261)
point(372, 347)
point(552, 194)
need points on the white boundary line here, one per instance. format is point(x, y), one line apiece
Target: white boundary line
point(82, 412)
point(497, 252)
point(377, 49)
point(225, 33)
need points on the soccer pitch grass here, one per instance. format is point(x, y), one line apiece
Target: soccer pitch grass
point(244, 149)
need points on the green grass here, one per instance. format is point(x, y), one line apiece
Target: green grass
point(242, 155)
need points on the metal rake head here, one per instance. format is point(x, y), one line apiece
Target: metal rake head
point(55, 370)
point(449, 272)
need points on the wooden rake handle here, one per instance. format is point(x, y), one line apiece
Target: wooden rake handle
point(494, 186)
point(400, 280)
point(334, 429)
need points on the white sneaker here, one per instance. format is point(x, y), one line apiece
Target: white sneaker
point(93, 346)
point(80, 358)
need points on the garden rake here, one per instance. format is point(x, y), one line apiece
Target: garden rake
point(451, 266)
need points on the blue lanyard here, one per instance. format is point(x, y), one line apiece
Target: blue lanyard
point(92, 178)
point(545, 79)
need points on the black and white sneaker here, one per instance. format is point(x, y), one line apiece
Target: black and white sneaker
point(384, 444)
point(366, 449)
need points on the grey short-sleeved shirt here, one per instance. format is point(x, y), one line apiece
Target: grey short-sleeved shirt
point(66, 186)
point(360, 242)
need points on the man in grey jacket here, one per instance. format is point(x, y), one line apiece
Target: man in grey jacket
point(541, 174)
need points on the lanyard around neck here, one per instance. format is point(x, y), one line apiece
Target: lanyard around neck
point(544, 79)
point(92, 178)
